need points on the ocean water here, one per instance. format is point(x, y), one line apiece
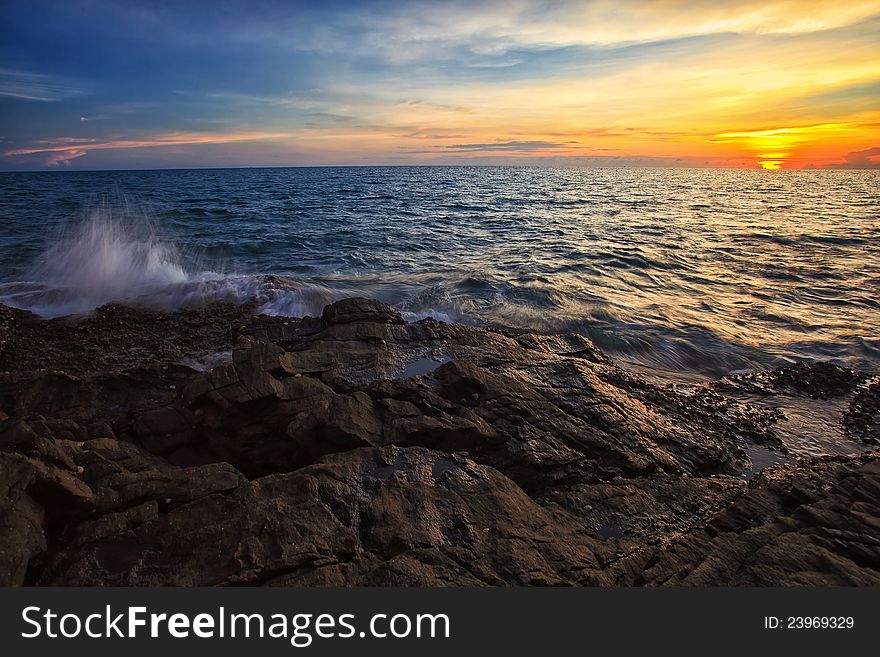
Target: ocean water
point(689, 271)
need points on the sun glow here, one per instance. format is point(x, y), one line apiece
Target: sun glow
point(773, 148)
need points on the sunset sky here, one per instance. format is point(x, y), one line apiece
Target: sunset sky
point(97, 84)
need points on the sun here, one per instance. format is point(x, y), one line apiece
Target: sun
point(773, 148)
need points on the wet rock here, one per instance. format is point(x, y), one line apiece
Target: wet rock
point(115, 338)
point(647, 509)
point(21, 521)
point(815, 380)
point(303, 457)
point(862, 419)
point(796, 526)
point(356, 309)
point(392, 516)
point(9, 317)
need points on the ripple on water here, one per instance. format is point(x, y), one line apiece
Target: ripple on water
point(597, 251)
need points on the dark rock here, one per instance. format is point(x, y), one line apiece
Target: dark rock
point(390, 516)
point(356, 309)
point(646, 509)
point(796, 526)
point(165, 428)
point(303, 457)
point(862, 418)
point(21, 521)
point(815, 380)
point(326, 355)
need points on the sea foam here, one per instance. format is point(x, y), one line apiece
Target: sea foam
point(115, 254)
point(111, 254)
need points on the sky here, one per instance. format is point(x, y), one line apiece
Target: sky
point(126, 84)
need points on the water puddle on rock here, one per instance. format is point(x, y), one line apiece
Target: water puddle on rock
point(762, 457)
point(809, 428)
point(814, 427)
point(610, 530)
point(421, 366)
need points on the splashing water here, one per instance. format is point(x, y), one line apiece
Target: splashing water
point(703, 271)
point(112, 254)
point(109, 258)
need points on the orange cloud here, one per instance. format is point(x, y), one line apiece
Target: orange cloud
point(64, 157)
point(868, 158)
point(773, 148)
point(61, 151)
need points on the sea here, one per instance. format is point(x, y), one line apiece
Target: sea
point(690, 273)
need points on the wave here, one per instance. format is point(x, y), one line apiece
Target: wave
point(112, 255)
point(116, 254)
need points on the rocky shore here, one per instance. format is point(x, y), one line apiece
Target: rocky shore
point(215, 447)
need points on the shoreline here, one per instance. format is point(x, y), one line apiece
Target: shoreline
point(356, 448)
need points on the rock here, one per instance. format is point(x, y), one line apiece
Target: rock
point(815, 380)
point(404, 516)
point(646, 510)
point(114, 338)
point(796, 526)
point(324, 356)
point(164, 429)
point(21, 521)
point(348, 311)
point(259, 357)
point(311, 452)
point(114, 524)
point(862, 419)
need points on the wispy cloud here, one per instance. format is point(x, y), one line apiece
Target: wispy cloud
point(377, 81)
point(64, 149)
point(26, 85)
point(429, 134)
point(64, 157)
point(518, 146)
point(411, 31)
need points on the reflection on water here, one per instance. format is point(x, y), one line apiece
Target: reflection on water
point(421, 366)
point(702, 271)
point(763, 456)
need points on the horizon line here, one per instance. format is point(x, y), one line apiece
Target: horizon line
point(426, 166)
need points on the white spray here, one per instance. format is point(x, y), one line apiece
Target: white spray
point(113, 254)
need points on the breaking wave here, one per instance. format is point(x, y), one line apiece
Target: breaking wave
point(713, 276)
point(115, 254)
point(111, 255)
